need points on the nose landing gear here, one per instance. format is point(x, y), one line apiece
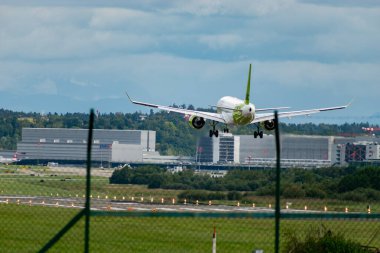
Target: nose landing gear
point(258, 132)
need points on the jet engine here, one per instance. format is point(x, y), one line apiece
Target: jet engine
point(196, 122)
point(269, 125)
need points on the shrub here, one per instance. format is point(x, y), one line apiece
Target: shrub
point(293, 191)
point(268, 190)
point(314, 192)
point(361, 194)
point(193, 195)
point(320, 239)
point(234, 195)
point(216, 196)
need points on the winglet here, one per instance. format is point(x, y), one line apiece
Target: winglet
point(349, 104)
point(129, 96)
point(246, 101)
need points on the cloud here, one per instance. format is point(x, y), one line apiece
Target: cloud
point(47, 86)
point(220, 41)
point(227, 7)
point(92, 51)
point(345, 3)
point(79, 83)
point(116, 18)
point(264, 30)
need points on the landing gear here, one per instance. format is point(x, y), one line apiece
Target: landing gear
point(213, 131)
point(258, 132)
point(226, 130)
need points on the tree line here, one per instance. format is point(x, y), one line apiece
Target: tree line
point(173, 134)
point(351, 183)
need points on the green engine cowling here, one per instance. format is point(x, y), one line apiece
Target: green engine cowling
point(196, 122)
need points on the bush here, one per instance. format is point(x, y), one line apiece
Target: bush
point(361, 194)
point(320, 239)
point(268, 190)
point(364, 178)
point(216, 196)
point(234, 195)
point(293, 191)
point(193, 195)
point(314, 192)
point(176, 186)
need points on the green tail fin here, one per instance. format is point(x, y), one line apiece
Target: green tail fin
point(246, 101)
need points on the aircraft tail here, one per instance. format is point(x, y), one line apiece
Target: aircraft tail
point(246, 101)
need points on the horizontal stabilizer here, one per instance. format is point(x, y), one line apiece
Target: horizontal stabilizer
point(226, 108)
point(272, 109)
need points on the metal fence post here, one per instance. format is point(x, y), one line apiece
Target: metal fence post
point(86, 211)
point(278, 207)
point(88, 184)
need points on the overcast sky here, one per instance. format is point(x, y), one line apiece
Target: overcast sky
point(77, 55)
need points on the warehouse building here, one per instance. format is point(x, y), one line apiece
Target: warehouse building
point(224, 149)
point(59, 144)
point(296, 150)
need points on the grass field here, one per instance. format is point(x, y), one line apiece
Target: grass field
point(40, 181)
point(27, 228)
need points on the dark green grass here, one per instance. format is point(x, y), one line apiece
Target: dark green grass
point(27, 228)
point(44, 184)
point(60, 185)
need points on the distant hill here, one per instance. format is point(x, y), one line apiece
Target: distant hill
point(174, 135)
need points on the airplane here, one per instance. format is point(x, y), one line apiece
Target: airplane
point(232, 111)
point(7, 161)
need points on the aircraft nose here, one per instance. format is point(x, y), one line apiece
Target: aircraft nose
point(247, 110)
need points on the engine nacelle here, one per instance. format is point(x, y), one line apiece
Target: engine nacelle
point(269, 125)
point(196, 122)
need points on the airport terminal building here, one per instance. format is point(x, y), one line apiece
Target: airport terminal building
point(296, 150)
point(61, 144)
point(139, 146)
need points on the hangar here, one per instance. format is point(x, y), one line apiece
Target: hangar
point(62, 144)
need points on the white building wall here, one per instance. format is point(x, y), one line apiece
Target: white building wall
point(215, 151)
point(127, 153)
point(236, 149)
point(372, 151)
point(148, 140)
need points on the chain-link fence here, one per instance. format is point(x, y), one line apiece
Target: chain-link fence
point(44, 209)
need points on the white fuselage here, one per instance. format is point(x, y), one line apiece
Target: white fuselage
point(235, 111)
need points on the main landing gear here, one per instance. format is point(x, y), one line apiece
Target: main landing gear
point(258, 132)
point(215, 132)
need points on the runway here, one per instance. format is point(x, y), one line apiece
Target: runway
point(112, 205)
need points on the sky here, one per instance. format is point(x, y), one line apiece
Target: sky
point(70, 56)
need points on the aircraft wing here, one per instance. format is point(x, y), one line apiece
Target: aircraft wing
point(206, 115)
point(270, 116)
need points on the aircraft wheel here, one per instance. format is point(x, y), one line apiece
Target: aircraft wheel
point(211, 133)
point(261, 134)
point(255, 134)
point(216, 133)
